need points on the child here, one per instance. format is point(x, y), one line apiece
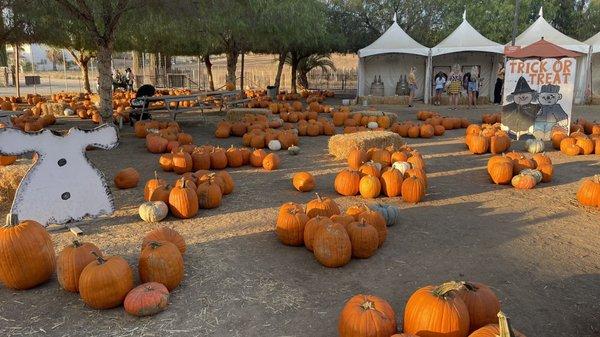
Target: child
point(440, 83)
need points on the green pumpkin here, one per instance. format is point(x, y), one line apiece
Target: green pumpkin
point(390, 213)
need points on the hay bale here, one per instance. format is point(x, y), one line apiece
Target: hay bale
point(10, 177)
point(236, 114)
point(392, 116)
point(341, 145)
point(56, 109)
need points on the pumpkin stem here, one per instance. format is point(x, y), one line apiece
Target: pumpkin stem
point(368, 305)
point(99, 258)
point(469, 286)
point(155, 176)
point(318, 197)
point(12, 220)
point(504, 325)
point(445, 289)
point(76, 243)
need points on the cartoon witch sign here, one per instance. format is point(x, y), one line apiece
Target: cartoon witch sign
point(519, 115)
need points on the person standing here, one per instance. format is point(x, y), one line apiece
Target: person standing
point(440, 84)
point(412, 84)
point(473, 87)
point(499, 84)
point(129, 79)
point(454, 85)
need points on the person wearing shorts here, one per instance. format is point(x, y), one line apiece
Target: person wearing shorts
point(412, 84)
point(473, 87)
point(440, 83)
point(454, 85)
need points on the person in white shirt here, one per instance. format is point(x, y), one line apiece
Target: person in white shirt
point(440, 84)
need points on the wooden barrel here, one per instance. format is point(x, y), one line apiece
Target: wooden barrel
point(377, 89)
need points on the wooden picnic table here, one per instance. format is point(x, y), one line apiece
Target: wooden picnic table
point(168, 99)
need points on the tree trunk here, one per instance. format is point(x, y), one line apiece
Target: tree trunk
point(151, 69)
point(280, 69)
point(232, 57)
point(17, 70)
point(168, 65)
point(3, 56)
point(105, 90)
point(53, 65)
point(303, 79)
point(295, 62)
point(84, 63)
point(209, 73)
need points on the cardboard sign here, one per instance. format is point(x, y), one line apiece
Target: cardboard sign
point(538, 96)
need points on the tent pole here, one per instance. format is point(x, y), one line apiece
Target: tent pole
point(515, 22)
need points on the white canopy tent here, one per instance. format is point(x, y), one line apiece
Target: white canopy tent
point(391, 56)
point(542, 29)
point(594, 81)
point(467, 47)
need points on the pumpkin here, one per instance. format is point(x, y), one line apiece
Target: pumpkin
point(165, 161)
point(293, 150)
point(166, 234)
point(156, 144)
point(382, 156)
point(183, 201)
point(234, 157)
point(502, 329)
point(419, 173)
point(152, 185)
point(536, 174)
point(376, 220)
point(290, 227)
point(321, 206)
point(27, 253)
point(367, 316)
point(588, 193)
point(541, 158)
point(479, 144)
point(147, 299)
point(391, 183)
point(371, 168)
point(547, 172)
point(523, 163)
point(218, 159)
point(331, 245)
point(413, 189)
point(483, 305)
point(274, 145)
point(347, 182)
point(416, 160)
point(534, 146)
point(209, 194)
point(228, 183)
point(523, 181)
point(372, 125)
point(356, 210)
point(369, 187)
point(7, 160)
point(104, 283)
point(364, 239)
point(201, 160)
point(310, 229)
point(401, 166)
point(499, 144)
point(290, 205)
point(161, 261)
point(71, 261)
point(501, 173)
point(343, 219)
point(127, 178)
point(271, 162)
point(585, 145)
point(557, 138)
point(437, 311)
point(390, 213)
point(153, 211)
point(303, 182)
point(356, 158)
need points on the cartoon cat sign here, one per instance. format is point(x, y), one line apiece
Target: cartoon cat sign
point(538, 96)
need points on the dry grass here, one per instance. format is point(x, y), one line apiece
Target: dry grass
point(236, 115)
point(10, 177)
point(341, 145)
point(56, 109)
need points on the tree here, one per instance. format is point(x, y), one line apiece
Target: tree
point(55, 56)
point(83, 57)
point(321, 61)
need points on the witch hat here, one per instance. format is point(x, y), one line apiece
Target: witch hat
point(522, 87)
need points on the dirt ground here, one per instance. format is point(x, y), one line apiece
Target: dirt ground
point(538, 249)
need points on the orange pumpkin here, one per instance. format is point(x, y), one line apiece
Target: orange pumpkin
point(483, 305)
point(303, 182)
point(321, 206)
point(183, 201)
point(166, 234)
point(290, 227)
point(347, 182)
point(310, 229)
point(367, 315)
point(332, 246)
point(271, 162)
point(104, 283)
point(413, 189)
point(161, 261)
point(127, 178)
point(71, 261)
point(369, 187)
point(364, 239)
point(147, 299)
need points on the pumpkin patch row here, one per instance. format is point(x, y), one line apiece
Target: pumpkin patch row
point(381, 171)
point(102, 281)
point(587, 127)
point(588, 193)
point(491, 118)
point(191, 158)
point(485, 138)
point(30, 122)
point(333, 237)
point(577, 143)
point(520, 171)
point(457, 309)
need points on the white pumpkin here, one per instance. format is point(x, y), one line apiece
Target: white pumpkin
point(293, 150)
point(372, 125)
point(377, 165)
point(534, 146)
point(274, 145)
point(536, 174)
point(153, 211)
point(401, 166)
point(68, 112)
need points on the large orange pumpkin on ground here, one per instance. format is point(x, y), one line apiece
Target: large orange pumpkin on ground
point(482, 303)
point(332, 246)
point(161, 261)
point(367, 316)
point(104, 283)
point(71, 262)
point(147, 299)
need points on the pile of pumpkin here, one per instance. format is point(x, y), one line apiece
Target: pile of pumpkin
point(520, 171)
point(455, 308)
point(29, 121)
point(102, 281)
point(491, 118)
point(257, 131)
point(588, 193)
point(333, 237)
point(486, 138)
point(383, 171)
point(577, 143)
